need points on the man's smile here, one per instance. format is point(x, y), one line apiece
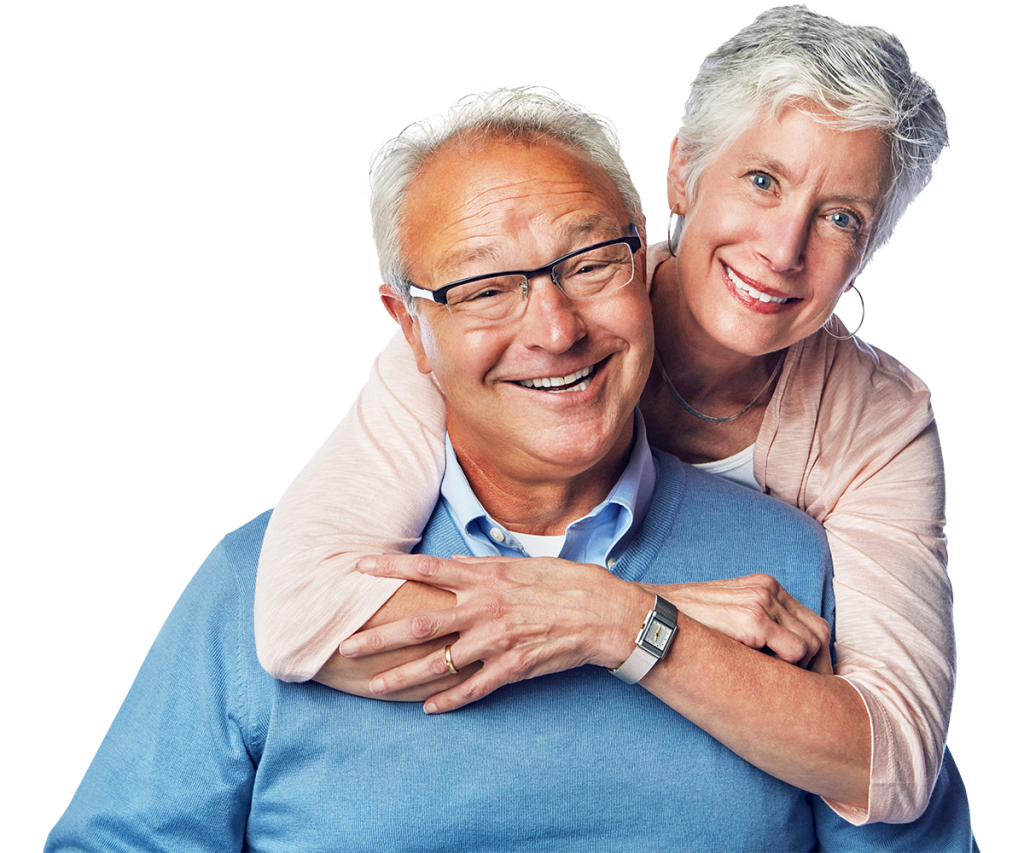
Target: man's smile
point(576, 381)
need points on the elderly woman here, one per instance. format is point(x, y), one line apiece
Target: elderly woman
point(804, 141)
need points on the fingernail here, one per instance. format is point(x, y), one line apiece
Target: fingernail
point(430, 708)
point(367, 563)
point(349, 647)
point(377, 685)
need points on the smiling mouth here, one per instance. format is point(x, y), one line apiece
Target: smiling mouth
point(752, 292)
point(560, 384)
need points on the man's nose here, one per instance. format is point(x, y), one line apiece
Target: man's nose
point(783, 241)
point(552, 320)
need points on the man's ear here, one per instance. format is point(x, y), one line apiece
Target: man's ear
point(396, 307)
point(678, 168)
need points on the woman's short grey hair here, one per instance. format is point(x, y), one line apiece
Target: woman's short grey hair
point(524, 114)
point(861, 76)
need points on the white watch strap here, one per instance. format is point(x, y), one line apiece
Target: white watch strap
point(636, 666)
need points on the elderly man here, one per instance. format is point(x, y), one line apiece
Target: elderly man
point(541, 370)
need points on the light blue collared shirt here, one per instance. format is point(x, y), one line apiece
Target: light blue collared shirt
point(599, 537)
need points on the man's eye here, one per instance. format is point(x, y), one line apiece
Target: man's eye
point(762, 181)
point(588, 268)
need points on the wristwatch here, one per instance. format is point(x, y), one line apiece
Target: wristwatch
point(651, 643)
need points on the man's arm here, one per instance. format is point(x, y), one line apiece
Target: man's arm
point(174, 772)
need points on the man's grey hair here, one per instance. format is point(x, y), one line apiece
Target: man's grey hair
point(860, 76)
point(522, 114)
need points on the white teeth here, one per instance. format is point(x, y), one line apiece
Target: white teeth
point(579, 387)
point(557, 382)
point(746, 288)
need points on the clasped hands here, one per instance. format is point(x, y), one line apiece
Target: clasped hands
point(519, 618)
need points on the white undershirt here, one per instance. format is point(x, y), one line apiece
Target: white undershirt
point(739, 468)
point(541, 546)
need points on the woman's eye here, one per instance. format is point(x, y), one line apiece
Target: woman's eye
point(762, 181)
point(844, 220)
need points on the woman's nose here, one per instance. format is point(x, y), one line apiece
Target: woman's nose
point(784, 241)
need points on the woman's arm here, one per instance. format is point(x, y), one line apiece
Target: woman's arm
point(894, 622)
point(369, 490)
point(850, 438)
point(526, 618)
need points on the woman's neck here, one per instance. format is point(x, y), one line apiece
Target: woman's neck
point(714, 380)
point(703, 370)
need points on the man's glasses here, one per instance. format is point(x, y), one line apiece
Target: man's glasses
point(493, 298)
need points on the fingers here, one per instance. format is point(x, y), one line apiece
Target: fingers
point(405, 632)
point(471, 690)
point(444, 574)
point(432, 667)
point(757, 611)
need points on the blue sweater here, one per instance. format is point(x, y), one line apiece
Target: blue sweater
point(210, 753)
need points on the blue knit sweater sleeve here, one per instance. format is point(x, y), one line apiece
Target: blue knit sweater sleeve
point(149, 788)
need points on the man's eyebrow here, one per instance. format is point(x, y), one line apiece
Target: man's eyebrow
point(572, 235)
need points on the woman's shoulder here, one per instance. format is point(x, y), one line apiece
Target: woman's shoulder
point(852, 372)
point(842, 410)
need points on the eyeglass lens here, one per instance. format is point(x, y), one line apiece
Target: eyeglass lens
point(580, 276)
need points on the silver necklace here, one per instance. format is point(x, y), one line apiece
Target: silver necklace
point(678, 397)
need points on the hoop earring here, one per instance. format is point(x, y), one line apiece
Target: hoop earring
point(675, 232)
point(863, 313)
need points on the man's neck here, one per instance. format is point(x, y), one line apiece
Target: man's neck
point(540, 500)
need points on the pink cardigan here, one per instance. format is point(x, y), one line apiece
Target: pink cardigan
point(848, 437)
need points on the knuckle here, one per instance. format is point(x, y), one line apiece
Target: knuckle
point(496, 575)
point(474, 690)
point(503, 639)
point(374, 641)
point(438, 665)
point(425, 566)
point(493, 608)
point(396, 681)
point(421, 627)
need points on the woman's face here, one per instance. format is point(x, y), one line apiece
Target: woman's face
point(777, 230)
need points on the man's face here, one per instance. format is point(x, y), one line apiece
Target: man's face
point(500, 205)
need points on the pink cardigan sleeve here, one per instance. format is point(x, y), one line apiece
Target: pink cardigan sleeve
point(370, 490)
point(850, 438)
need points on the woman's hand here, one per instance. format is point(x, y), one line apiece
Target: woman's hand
point(757, 611)
point(521, 617)
point(527, 617)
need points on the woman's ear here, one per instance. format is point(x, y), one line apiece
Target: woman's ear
point(410, 324)
point(678, 194)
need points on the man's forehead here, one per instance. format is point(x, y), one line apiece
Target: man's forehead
point(477, 199)
point(567, 234)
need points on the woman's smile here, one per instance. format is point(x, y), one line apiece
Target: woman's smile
point(776, 230)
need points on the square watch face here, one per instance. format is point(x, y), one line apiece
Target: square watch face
point(657, 634)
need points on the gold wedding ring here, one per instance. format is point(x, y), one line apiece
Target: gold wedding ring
point(448, 660)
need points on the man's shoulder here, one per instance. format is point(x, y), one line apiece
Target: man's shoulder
point(697, 494)
point(226, 581)
point(243, 545)
point(701, 527)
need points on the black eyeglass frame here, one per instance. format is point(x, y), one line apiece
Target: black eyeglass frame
point(441, 294)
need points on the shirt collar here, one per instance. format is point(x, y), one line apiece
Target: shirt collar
point(598, 537)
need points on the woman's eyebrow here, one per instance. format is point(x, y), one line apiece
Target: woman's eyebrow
point(767, 163)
